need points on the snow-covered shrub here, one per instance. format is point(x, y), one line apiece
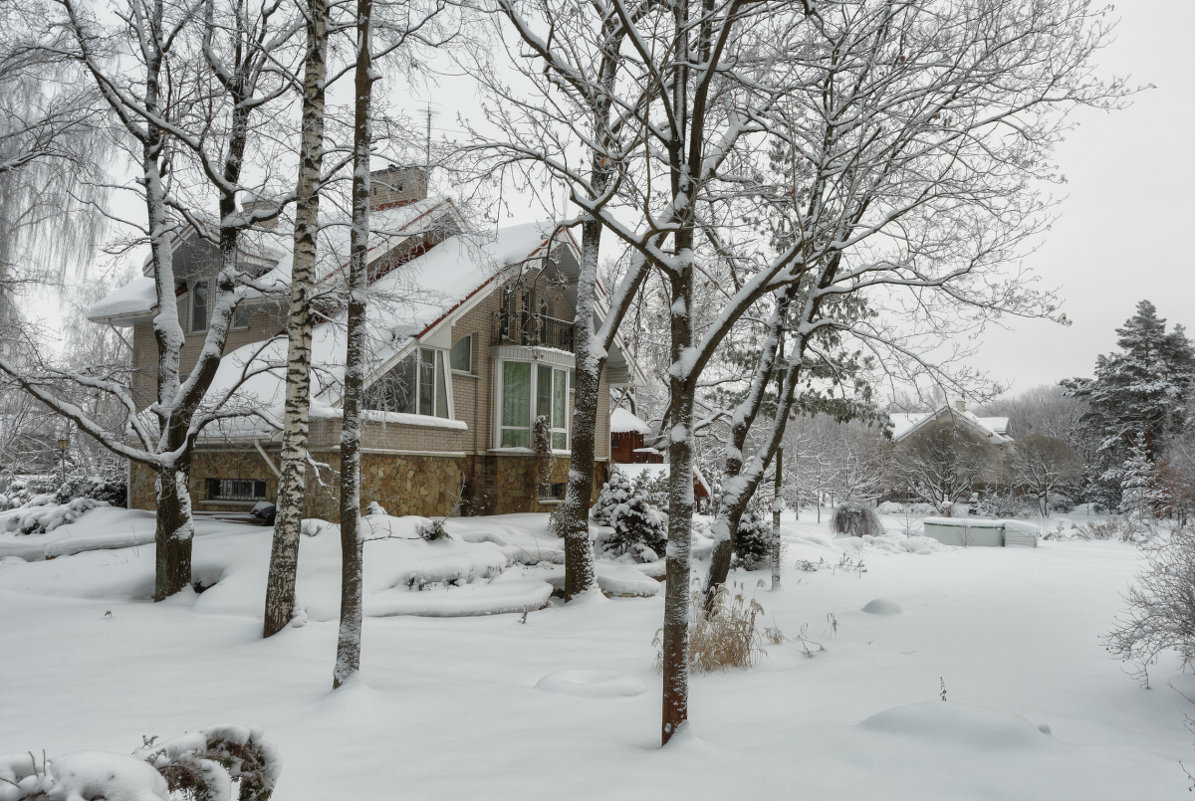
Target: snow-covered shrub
point(640, 529)
point(616, 491)
point(1115, 528)
point(752, 541)
point(375, 508)
point(42, 514)
point(434, 530)
point(205, 765)
point(856, 520)
point(653, 485)
point(730, 636)
point(1161, 607)
point(111, 489)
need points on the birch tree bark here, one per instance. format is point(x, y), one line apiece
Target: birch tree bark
point(284, 553)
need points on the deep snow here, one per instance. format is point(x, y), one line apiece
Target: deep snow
point(564, 702)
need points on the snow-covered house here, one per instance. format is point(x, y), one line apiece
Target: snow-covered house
point(991, 429)
point(471, 341)
point(949, 453)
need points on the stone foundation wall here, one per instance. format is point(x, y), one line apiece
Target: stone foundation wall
point(430, 486)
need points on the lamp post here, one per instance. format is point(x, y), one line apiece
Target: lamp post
point(63, 444)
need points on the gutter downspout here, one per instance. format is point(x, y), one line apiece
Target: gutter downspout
point(266, 458)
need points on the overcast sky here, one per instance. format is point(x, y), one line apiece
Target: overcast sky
point(1123, 229)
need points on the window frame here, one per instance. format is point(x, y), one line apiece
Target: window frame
point(441, 379)
point(559, 430)
point(469, 339)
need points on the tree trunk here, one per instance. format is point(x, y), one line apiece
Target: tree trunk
point(173, 533)
point(579, 575)
point(284, 554)
point(675, 651)
point(352, 547)
point(776, 504)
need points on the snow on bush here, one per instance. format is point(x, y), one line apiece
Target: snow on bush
point(43, 513)
point(616, 491)
point(640, 529)
point(202, 765)
point(752, 541)
point(856, 520)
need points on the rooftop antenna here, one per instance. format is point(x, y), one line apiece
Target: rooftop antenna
point(427, 153)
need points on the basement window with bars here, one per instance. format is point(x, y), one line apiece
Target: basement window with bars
point(235, 489)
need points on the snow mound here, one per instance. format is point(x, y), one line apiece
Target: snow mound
point(100, 774)
point(882, 606)
point(472, 600)
point(889, 544)
point(621, 580)
point(959, 725)
point(592, 684)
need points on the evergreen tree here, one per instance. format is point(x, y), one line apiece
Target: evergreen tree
point(1141, 391)
point(1139, 496)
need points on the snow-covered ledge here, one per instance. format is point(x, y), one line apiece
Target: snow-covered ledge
point(396, 418)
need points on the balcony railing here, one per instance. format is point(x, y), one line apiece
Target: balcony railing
point(537, 330)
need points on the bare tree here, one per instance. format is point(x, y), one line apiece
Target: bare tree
point(1045, 466)
point(186, 107)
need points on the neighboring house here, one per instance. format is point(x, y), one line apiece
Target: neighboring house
point(947, 455)
point(633, 457)
point(471, 340)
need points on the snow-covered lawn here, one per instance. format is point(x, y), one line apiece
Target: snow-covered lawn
point(564, 704)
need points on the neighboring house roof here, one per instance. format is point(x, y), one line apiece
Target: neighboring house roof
point(623, 421)
point(993, 428)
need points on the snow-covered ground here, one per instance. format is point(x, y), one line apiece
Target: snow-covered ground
point(564, 702)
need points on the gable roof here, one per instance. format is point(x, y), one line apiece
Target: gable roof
point(992, 428)
point(624, 421)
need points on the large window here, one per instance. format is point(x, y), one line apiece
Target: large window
point(416, 385)
point(528, 392)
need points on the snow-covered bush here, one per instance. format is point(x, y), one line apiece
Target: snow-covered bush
point(616, 491)
point(654, 486)
point(434, 530)
point(111, 489)
point(640, 529)
point(205, 765)
point(856, 520)
point(752, 541)
point(1161, 607)
point(730, 636)
point(42, 514)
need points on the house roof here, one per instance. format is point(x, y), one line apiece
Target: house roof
point(404, 305)
point(269, 250)
point(623, 421)
point(994, 428)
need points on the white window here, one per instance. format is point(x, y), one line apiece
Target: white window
point(416, 385)
point(461, 356)
point(529, 391)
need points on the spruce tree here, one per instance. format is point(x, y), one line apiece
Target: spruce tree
point(1140, 391)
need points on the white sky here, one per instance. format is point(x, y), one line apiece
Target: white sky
point(1121, 235)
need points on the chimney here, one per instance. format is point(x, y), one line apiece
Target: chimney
point(396, 186)
point(262, 203)
point(961, 405)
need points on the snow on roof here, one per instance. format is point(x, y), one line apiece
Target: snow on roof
point(134, 298)
point(265, 248)
point(623, 421)
point(404, 304)
point(996, 428)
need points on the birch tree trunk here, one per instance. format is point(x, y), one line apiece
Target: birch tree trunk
point(284, 554)
point(348, 644)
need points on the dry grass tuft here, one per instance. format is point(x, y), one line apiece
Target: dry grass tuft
point(731, 636)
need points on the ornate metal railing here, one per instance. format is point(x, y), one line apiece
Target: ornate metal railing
point(538, 330)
